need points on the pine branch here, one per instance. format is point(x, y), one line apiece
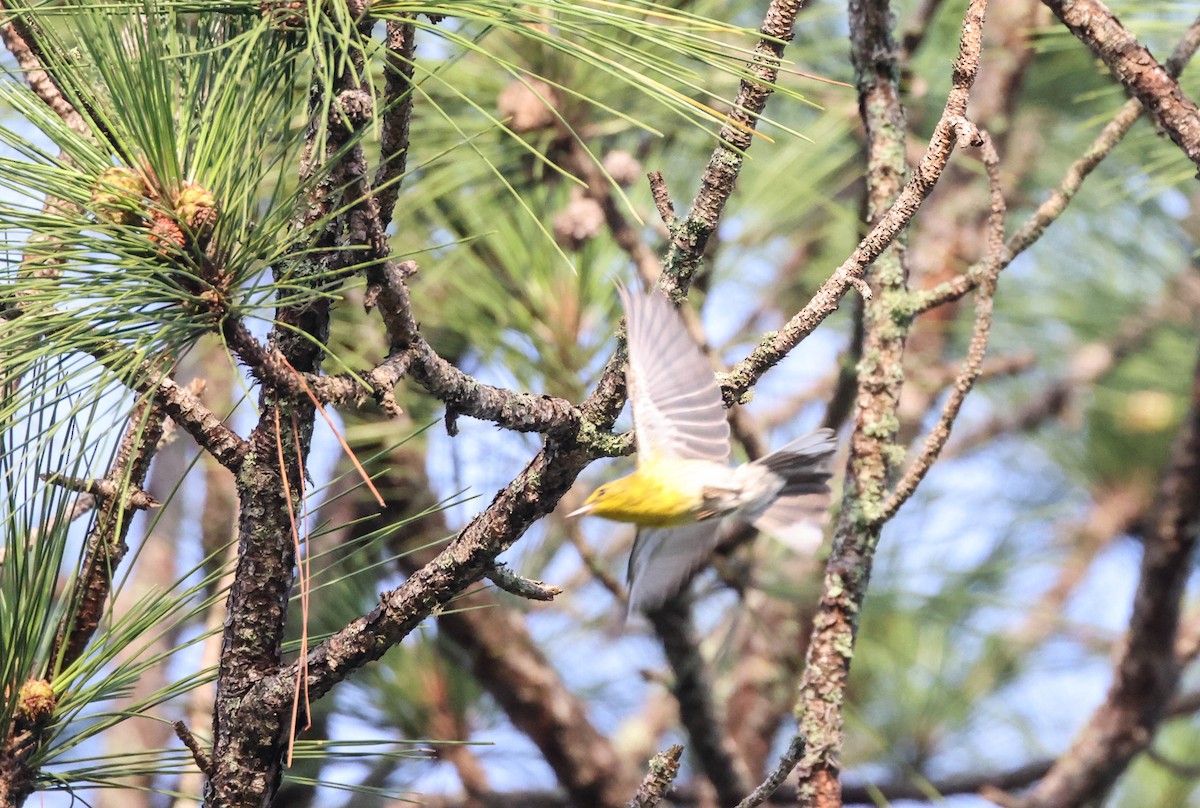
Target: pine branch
point(1058, 200)
point(117, 494)
point(693, 690)
point(1148, 670)
point(1136, 68)
point(823, 686)
point(22, 44)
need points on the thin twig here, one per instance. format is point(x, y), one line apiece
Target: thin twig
point(787, 762)
point(1055, 204)
point(774, 346)
point(105, 489)
point(733, 140)
point(662, 198)
point(203, 762)
point(973, 365)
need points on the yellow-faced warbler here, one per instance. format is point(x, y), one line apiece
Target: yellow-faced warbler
point(684, 495)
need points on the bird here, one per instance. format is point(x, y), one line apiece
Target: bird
point(684, 495)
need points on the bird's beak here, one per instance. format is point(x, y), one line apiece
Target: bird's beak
point(587, 508)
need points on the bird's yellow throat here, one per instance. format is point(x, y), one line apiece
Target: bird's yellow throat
point(659, 494)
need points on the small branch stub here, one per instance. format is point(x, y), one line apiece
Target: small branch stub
point(663, 768)
point(517, 585)
point(662, 198)
point(189, 740)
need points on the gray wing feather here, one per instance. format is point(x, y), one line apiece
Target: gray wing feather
point(796, 521)
point(663, 560)
point(677, 407)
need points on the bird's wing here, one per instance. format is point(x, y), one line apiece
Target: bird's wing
point(664, 558)
point(677, 407)
point(796, 521)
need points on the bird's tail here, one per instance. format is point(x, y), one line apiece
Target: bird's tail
point(795, 515)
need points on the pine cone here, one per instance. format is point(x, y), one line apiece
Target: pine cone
point(166, 234)
point(117, 196)
point(35, 701)
point(528, 106)
point(197, 209)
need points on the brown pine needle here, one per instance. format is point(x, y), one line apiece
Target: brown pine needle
point(302, 671)
point(345, 446)
point(305, 592)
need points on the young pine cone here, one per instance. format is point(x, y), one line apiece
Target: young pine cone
point(117, 196)
point(197, 210)
point(166, 234)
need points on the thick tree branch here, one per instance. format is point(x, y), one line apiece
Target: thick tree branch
point(183, 406)
point(468, 558)
point(1147, 672)
point(248, 741)
point(880, 377)
point(503, 656)
point(398, 97)
point(188, 411)
point(693, 690)
point(1136, 68)
point(523, 412)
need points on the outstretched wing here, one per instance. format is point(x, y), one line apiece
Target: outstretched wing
point(664, 559)
point(677, 407)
